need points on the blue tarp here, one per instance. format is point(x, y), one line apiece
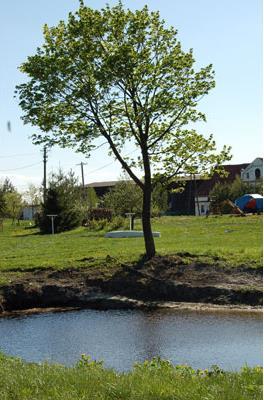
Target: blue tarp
point(250, 202)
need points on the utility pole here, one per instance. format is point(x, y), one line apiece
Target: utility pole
point(82, 164)
point(45, 158)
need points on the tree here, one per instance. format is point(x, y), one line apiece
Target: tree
point(2, 204)
point(122, 76)
point(160, 197)
point(13, 205)
point(7, 186)
point(231, 191)
point(238, 188)
point(33, 195)
point(125, 197)
point(92, 198)
point(62, 200)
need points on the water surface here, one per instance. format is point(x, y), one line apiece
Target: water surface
point(122, 338)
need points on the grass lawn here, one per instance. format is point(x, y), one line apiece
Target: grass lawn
point(238, 241)
point(152, 380)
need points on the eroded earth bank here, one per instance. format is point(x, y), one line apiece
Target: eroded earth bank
point(162, 282)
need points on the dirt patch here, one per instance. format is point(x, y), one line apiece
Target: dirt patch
point(163, 279)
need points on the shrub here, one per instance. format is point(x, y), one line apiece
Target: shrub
point(116, 223)
point(97, 225)
point(99, 213)
point(62, 197)
point(124, 197)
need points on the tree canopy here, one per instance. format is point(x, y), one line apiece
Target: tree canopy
point(124, 197)
point(122, 76)
point(63, 198)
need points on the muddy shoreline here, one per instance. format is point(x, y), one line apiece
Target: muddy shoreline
point(164, 282)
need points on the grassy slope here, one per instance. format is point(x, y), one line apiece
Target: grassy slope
point(238, 240)
point(152, 380)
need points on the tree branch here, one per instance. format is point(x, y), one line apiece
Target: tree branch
point(113, 147)
point(166, 130)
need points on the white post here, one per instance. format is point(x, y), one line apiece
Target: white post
point(52, 216)
point(130, 215)
point(52, 225)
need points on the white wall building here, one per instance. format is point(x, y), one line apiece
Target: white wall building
point(253, 172)
point(202, 205)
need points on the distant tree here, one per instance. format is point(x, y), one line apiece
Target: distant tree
point(92, 198)
point(222, 192)
point(85, 200)
point(2, 204)
point(33, 195)
point(7, 186)
point(13, 205)
point(124, 197)
point(62, 198)
point(160, 198)
point(233, 190)
point(123, 76)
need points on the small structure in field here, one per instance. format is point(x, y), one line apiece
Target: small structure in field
point(250, 203)
point(131, 232)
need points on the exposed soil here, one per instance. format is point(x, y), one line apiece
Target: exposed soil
point(161, 282)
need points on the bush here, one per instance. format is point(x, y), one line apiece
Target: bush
point(61, 200)
point(67, 217)
point(99, 213)
point(116, 223)
point(97, 225)
point(124, 197)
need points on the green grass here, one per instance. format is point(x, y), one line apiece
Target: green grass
point(236, 240)
point(152, 380)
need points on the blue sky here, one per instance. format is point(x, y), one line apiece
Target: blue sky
point(226, 33)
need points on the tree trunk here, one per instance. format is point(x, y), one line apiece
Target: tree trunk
point(146, 224)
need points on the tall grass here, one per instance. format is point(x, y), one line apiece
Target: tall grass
point(152, 380)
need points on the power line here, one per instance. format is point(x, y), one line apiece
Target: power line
point(16, 169)
point(112, 162)
point(104, 166)
point(20, 155)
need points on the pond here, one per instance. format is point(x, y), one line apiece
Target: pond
point(121, 338)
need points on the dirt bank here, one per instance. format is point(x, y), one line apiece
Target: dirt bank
point(161, 282)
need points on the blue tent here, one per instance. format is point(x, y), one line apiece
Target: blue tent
point(250, 203)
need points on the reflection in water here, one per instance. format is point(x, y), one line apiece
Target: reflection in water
point(121, 338)
point(149, 332)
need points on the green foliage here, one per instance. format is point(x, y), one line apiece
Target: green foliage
point(125, 197)
point(87, 363)
point(62, 199)
point(96, 214)
point(231, 191)
point(33, 195)
point(160, 198)
point(6, 209)
point(130, 74)
point(13, 204)
point(7, 186)
point(97, 224)
point(116, 222)
point(92, 198)
point(152, 380)
point(121, 75)
point(238, 188)
point(2, 204)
